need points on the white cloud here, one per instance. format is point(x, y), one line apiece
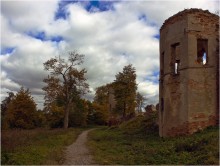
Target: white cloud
point(29, 15)
point(110, 40)
point(7, 83)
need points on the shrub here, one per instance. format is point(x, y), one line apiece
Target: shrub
point(190, 146)
point(141, 125)
point(100, 114)
point(21, 112)
point(150, 125)
point(55, 116)
point(78, 114)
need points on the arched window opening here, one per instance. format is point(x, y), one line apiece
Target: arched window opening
point(204, 59)
point(176, 67)
point(202, 50)
point(175, 58)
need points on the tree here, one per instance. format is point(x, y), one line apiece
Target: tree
point(78, 113)
point(101, 114)
point(5, 105)
point(54, 116)
point(22, 111)
point(65, 82)
point(101, 95)
point(140, 101)
point(102, 104)
point(125, 91)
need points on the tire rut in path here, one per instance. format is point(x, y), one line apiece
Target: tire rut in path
point(78, 153)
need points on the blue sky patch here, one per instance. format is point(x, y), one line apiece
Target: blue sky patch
point(154, 77)
point(90, 6)
point(42, 36)
point(100, 5)
point(7, 50)
point(56, 38)
point(61, 13)
point(156, 73)
point(157, 36)
point(38, 35)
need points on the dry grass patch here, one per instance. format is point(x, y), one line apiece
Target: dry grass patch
point(35, 147)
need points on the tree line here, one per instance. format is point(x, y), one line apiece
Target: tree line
point(64, 104)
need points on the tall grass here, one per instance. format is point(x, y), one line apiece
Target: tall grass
point(35, 147)
point(136, 146)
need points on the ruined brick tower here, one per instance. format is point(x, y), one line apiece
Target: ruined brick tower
point(189, 72)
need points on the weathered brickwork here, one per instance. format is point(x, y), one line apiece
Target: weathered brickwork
point(188, 128)
point(189, 72)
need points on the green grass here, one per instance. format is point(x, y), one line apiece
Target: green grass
point(119, 146)
point(35, 147)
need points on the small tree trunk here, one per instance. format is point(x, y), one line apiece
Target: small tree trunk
point(66, 116)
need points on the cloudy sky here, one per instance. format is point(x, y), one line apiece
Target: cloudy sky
point(111, 34)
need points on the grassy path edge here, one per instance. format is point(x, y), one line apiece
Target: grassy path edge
point(36, 147)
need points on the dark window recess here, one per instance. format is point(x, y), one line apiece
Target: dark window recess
point(202, 51)
point(175, 58)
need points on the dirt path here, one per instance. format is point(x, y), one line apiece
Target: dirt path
point(78, 153)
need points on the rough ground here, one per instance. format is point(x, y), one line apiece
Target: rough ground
point(78, 153)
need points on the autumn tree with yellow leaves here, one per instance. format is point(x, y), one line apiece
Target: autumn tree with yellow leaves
point(65, 82)
point(21, 111)
point(125, 91)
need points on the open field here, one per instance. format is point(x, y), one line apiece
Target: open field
point(117, 146)
point(35, 147)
